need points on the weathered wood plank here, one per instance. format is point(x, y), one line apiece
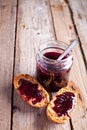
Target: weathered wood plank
point(62, 21)
point(79, 10)
point(65, 32)
point(7, 36)
point(34, 26)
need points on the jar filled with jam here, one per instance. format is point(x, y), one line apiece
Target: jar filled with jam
point(52, 73)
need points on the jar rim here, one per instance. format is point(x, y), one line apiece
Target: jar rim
point(53, 44)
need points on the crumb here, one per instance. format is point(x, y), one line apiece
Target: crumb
point(73, 88)
point(80, 97)
point(15, 108)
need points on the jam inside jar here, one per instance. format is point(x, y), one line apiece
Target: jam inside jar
point(51, 73)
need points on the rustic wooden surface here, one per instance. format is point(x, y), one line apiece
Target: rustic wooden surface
point(24, 25)
point(7, 38)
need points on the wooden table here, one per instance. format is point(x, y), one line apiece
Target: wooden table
point(24, 24)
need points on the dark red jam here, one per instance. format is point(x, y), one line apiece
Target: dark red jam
point(52, 80)
point(30, 91)
point(63, 103)
point(53, 55)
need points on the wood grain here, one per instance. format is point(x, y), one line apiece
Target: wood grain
point(65, 32)
point(79, 11)
point(7, 37)
point(37, 22)
point(34, 26)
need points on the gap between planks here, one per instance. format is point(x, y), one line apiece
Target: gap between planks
point(52, 21)
point(12, 97)
point(77, 34)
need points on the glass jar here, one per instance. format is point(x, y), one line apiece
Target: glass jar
point(51, 73)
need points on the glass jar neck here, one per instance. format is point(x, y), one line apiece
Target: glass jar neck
point(52, 47)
